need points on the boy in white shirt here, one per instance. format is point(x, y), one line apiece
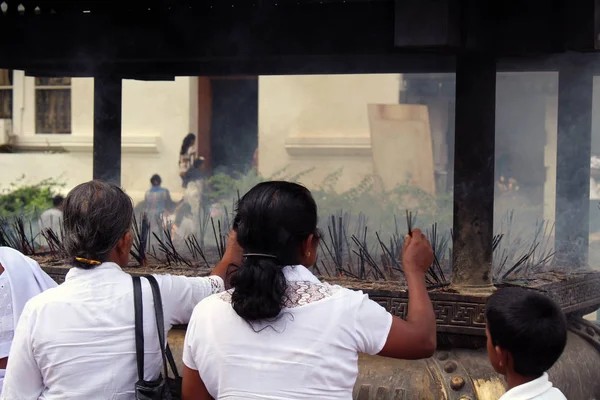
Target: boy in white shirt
point(526, 334)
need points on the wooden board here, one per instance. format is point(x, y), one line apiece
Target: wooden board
point(401, 145)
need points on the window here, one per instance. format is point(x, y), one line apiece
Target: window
point(6, 93)
point(52, 105)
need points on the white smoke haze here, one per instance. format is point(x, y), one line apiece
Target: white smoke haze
point(369, 146)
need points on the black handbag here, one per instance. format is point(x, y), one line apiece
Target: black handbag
point(164, 387)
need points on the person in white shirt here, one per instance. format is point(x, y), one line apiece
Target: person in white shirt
point(76, 341)
point(280, 333)
point(184, 225)
point(526, 334)
point(52, 218)
point(21, 278)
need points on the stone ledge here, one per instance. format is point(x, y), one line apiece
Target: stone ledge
point(82, 143)
point(328, 146)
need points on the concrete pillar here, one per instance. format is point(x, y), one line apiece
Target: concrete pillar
point(107, 129)
point(575, 89)
point(474, 171)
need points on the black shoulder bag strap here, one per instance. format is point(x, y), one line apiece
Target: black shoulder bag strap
point(139, 325)
point(160, 326)
point(158, 388)
point(171, 360)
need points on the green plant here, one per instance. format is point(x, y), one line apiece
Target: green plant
point(30, 199)
point(367, 201)
point(224, 187)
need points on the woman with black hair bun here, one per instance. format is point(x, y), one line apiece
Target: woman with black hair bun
point(280, 333)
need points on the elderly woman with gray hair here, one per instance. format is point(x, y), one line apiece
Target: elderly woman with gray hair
point(77, 341)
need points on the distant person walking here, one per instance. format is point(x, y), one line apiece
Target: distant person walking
point(157, 199)
point(52, 218)
point(188, 154)
point(193, 182)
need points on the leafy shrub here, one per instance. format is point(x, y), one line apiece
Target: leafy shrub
point(28, 200)
point(367, 201)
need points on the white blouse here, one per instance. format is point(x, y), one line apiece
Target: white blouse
point(77, 341)
point(7, 327)
point(310, 352)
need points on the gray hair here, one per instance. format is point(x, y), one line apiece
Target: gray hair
point(96, 216)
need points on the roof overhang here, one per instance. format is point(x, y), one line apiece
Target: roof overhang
point(162, 39)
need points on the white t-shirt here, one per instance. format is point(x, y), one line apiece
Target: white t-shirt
point(310, 352)
point(538, 389)
point(77, 341)
point(52, 219)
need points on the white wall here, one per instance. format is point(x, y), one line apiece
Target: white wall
point(159, 109)
point(320, 121)
point(304, 121)
point(156, 116)
point(31, 168)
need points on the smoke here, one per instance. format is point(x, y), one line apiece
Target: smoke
point(370, 147)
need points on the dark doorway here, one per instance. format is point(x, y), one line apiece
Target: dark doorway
point(234, 124)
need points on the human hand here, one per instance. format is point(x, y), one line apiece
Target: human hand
point(233, 251)
point(232, 257)
point(417, 254)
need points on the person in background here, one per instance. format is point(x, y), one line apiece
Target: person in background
point(21, 279)
point(184, 225)
point(280, 333)
point(594, 195)
point(77, 341)
point(526, 334)
point(157, 199)
point(52, 218)
point(195, 173)
point(187, 154)
point(193, 182)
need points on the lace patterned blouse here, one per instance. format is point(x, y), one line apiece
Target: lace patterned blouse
point(309, 352)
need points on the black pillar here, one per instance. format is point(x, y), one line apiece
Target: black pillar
point(474, 171)
point(575, 89)
point(107, 129)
